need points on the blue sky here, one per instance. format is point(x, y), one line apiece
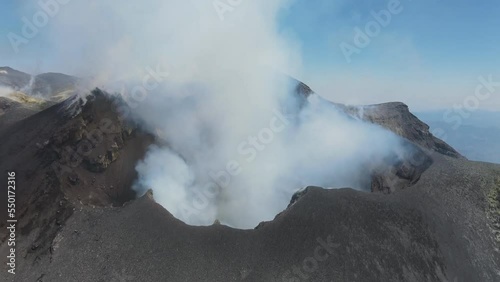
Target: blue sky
point(434, 48)
point(446, 35)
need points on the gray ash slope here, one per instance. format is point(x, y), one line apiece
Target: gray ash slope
point(12, 111)
point(80, 226)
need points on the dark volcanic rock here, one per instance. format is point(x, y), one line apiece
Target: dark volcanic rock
point(398, 118)
point(396, 173)
point(395, 117)
point(48, 151)
point(303, 90)
point(432, 232)
point(400, 172)
point(74, 225)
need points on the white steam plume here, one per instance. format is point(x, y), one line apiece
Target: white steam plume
point(5, 91)
point(236, 141)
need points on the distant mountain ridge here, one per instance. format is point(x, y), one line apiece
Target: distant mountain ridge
point(50, 86)
point(396, 117)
